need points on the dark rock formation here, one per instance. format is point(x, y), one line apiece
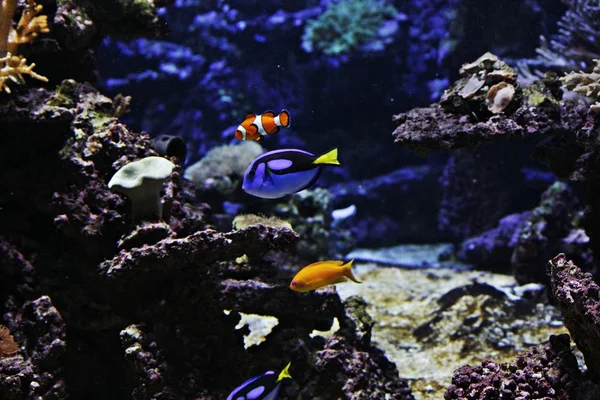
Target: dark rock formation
point(576, 295)
point(107, 307)
point(493, 248)
point(425, 129)
point(37, 369)
point(366, 373)
point(542, 233)
point(564, 133)
point(525, 241)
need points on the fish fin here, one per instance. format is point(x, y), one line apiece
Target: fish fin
point(348, 272)
point(329, 158)
point(269, 113)
point(252, 129)
point(285, 373)
point(273, 394)
point(250, 115)
point(319, 263)
point(238, 135)
point(242, 386)
point(284, 118)
point(341, 279)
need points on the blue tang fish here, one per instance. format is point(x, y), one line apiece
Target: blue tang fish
point(261, 387)
point(281, 172)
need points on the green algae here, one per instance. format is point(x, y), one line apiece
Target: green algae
point(545, 92)
point(358, 319)
point(66, 95)
point(346, 25)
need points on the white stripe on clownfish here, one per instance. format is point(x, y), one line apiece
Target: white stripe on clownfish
point(259, 125)
point(277, 121)
point(243, 130)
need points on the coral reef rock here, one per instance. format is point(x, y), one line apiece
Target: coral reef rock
point(134, 297)
point(545, 372)
point(36, 369)
point(576, 295)
point(488, 86)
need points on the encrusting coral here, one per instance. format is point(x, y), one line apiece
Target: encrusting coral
point(586, 84)
point(8, 346)
point(31, 24)
point(488, 85)
point(243, 221)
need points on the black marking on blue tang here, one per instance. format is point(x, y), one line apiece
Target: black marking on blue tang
point(261, 387)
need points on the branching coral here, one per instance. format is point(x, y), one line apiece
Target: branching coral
point(575, 45)
point(31, 24)
point(346, 25)
point(586, 84)
point(579, 32)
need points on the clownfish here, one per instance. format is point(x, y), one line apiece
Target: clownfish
point(321, 274)
point(261, 387)
point(255, 126)
point(281, 172)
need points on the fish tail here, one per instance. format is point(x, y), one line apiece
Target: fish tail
point(285, 373)
point(284, 118)
point(329, 158)
point(348, 272)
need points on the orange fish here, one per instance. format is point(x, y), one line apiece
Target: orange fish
point(255, 126)
point(321, 274)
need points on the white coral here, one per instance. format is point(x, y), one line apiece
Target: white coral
point(585, 83)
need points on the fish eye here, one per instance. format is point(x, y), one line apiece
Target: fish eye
point(293, 283)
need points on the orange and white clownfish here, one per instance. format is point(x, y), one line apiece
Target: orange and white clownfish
point(255, 126)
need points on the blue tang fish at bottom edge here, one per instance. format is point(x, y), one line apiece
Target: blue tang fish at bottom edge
point(287, 171)
point(261, 387)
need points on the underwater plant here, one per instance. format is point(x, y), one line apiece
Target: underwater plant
point(31, 24)
point(346, 25)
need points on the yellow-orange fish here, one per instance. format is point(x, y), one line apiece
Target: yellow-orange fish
point(322, 273)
